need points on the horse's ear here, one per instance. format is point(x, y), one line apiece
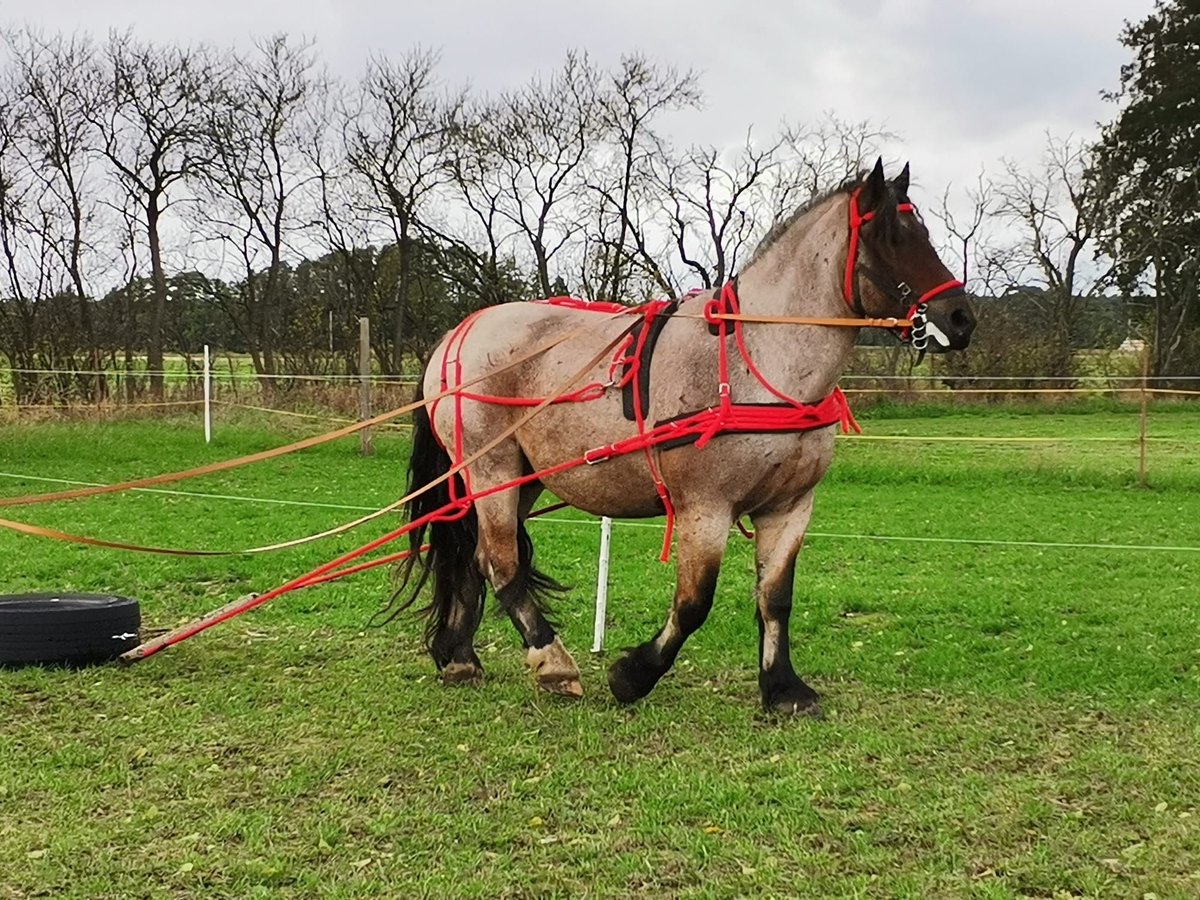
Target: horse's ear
point(901, 184)
point(875, 189)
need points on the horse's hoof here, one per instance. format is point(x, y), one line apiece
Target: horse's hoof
point(809, 709)
point(563, 687)
point(555, 670)
point(790, 698)
point(462, 673)
point(631, 677)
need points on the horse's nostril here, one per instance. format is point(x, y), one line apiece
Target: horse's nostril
point(961, 319)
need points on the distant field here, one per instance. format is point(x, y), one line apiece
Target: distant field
point(1009, 714)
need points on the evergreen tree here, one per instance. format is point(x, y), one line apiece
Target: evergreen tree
point(1150, 157)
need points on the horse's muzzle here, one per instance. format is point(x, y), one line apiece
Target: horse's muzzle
point(950, 322)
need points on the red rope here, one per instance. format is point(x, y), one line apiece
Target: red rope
point(698, 428)
point(589, 392)
point(361, 567)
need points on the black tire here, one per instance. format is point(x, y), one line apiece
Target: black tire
point(67, 629)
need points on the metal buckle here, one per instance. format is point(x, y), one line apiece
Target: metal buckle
point(723, 389)
point(587, 455)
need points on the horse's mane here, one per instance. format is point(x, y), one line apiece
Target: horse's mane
point(776, 231)
point(886, 226)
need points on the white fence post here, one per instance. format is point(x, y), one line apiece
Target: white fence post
point(602, 584)
point(364, 383)
point(207, 397)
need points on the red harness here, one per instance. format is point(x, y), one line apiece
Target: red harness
point(726, 417)
point(699, 427)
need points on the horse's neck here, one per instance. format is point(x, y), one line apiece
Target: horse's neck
point(801, 275)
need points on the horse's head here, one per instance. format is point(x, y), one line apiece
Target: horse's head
point(893, 269)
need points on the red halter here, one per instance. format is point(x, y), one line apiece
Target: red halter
point(857, 220)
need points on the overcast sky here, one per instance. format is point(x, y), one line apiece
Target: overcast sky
point(962, 83)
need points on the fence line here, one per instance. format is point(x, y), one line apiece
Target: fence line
point(1065, 440)
point(946, 393)
point(935, 377)
point(401, 426)
point(315, 504)
point(107, 407)
point(413, 379)
point(234, 376)
point(997, 542)
point(1008, 439)
point(955, 392)
point(1117, 384)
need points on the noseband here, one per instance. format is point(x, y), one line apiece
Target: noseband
point(900, 292)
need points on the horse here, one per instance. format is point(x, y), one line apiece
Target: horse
point(717, 432)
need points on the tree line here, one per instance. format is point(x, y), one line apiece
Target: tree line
point(158, 196)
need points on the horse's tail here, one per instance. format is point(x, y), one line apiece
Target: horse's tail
point(450, 559)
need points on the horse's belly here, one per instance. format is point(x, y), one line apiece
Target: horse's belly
point(618, 486)
point(614, 488)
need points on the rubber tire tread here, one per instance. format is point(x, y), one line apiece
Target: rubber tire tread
point(66, 628)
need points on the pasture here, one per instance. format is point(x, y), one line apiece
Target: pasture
point(1002, 719)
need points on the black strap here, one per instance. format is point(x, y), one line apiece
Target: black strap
point(656, 324)
point(899, 292)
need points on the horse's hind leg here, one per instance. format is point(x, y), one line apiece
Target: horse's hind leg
point(452, 643)
point(699, 548)
point(505, 556)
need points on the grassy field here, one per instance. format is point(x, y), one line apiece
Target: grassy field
point(1001, 720)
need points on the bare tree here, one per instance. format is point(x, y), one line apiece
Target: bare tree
point(966, 232)
point(716, 205)
point(541, 136)
point(56, 100)
point(345, 226)
point(472, 228)
point(395, 137)
point(150, 129)
point(1056, 211)
point(256, 180)
point(631, 99)
point(816, 157)
point(24, 246)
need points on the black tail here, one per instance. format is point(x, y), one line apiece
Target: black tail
point(450, 559)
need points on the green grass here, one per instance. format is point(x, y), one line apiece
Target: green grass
point(1001, 721)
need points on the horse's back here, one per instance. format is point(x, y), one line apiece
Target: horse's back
point(531, 351)
point(494, 337)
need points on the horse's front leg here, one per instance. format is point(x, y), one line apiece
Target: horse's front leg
point(701, 537)
point(778, 537)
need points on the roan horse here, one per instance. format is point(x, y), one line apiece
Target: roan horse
point(859, 251)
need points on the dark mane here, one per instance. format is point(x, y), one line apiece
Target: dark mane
point(777, 230)
point(887, 226)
